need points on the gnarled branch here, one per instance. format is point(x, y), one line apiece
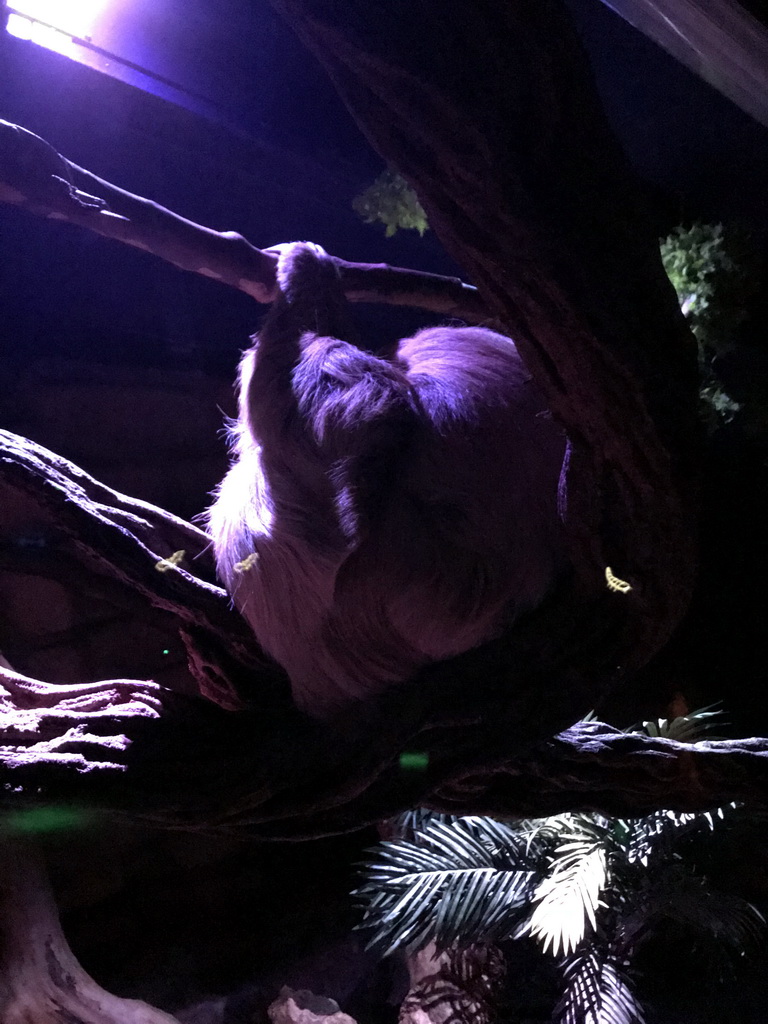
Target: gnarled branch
point(36, 178)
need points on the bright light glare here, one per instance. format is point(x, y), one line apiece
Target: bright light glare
point(52, 39)
point(73, 17)
point(19, 27)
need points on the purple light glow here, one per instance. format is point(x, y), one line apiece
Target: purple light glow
point(128, 41)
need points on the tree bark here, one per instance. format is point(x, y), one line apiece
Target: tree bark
point(41, 982)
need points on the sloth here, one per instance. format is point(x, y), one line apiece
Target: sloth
point(381, 513)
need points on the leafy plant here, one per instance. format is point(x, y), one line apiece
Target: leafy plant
point(710, 270)
point(391, 200)
point(714, 274)
point(588, 889)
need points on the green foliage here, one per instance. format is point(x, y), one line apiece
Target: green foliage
point(710, 270)
point(714, 272)
point(391, 200)
point(588, 889)
point(600, 982)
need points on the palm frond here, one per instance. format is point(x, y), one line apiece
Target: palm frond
point(408, 824)
point(454, 883)
point(686, 728)
point(568, 897)
point(597, 991)
point(653, 836)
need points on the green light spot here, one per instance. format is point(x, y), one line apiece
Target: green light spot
point(40, 820)
point(166, 650)
point(413, 760)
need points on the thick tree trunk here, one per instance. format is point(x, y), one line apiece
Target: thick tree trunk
point(41, 982)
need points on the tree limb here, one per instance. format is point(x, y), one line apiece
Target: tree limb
point(36, 178)
point(127, 746)
point(594, 767)
point(482, 723)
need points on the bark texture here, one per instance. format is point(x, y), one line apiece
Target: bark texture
point(41, 982)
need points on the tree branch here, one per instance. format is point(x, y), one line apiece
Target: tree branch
point(482, 723)
point(127, 746)
point(594, 767)
point(36, 178)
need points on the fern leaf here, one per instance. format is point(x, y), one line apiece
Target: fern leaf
point(597, 991)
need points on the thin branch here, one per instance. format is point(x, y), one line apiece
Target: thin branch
point(35, 177)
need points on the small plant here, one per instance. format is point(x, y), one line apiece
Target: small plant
point(391, 200)
point(588, 889)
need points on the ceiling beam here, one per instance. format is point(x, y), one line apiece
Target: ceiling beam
point(717, 39)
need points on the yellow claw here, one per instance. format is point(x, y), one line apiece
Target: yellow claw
point(247, 563)
point(169, 563)
point(614, 583)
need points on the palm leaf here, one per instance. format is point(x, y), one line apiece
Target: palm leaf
point(686, 728)
point(411, 823)
point(654, 836)
point(568, 897)
point(597, 991)
point(456, 882)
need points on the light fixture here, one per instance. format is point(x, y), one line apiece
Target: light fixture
point(106, 35)
point(69, 18)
